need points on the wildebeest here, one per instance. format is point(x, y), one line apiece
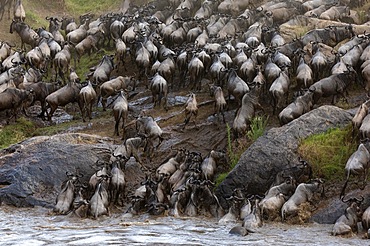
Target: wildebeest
point(14, 98)
point(88, 44)
point(62, 61)
point(318, 62)
point(78, 34)
point(334, 85)
point(304, 73)
point(279, 90)
point(111, 87)
point(365, 220)
point(41, 91)
point(66, 196)
point(330, 35)
point(117, 184)
point(191, 108)
point(120, 111)
point(99, 202)
point(347, 223)
point(159, 88)
point(87, 97)
point(148, 126)
point(301, 172)
point(102, 71)
point(236, 86)
point(131, 147)
point(358, 118)
point(25, 32)
point(358, 164)
point(364, 130)
point(5, 50)
point(19, 13)
point(304, 192)
point(276, 196)
point(220, 102)
point(196, 72)
point(167, 168)
point(244, 115)
point(233, 215)
point(67, 94)
point(209, 164)
point(300, 106)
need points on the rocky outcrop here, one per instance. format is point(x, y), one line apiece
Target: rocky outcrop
point(31, 172)
point(276, 150)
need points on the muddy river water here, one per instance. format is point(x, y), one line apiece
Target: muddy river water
point(35, 226)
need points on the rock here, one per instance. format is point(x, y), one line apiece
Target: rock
point(332, 208)
point(276, 150)
point(32, 171)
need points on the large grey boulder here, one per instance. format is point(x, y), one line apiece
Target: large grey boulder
point(276, 150)
point(32, 171)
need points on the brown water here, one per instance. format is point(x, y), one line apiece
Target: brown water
point(35, 226)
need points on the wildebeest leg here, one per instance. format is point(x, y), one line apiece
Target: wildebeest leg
point(223, 117)
point(90, 111)
point(364, 180)
point(43, 109)
point(104, 103)
point(160, 139)
point(24, 111)
point(187, 119)
point(123, 128)
point(50, 114)
point(138, 159)
point(116, 128)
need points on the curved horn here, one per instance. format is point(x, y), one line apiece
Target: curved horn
point(345, 201)
point(358, 200)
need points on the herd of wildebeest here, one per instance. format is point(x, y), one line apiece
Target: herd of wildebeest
point(230, 46)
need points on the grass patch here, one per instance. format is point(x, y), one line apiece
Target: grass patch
point(35, 21)
point(55, 129)
point(328, 152)
point(16, 132)
point(79, 7)
point(362, 11)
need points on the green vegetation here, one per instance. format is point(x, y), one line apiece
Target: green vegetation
point(79, 7)
point(86, 62)
point(221, 177)
point(258, 127)
point(299, 31)
point(328, 152)
point(362, 11)
point(232, 155)
point(235, 149)
point(16, 132)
